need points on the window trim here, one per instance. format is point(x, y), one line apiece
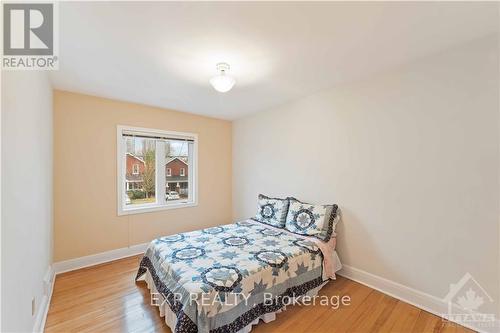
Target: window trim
point(122, 164)
point(182, 172)
point(169, 172)
point(134, 171)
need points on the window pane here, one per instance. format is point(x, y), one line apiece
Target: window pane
point(140, 174)
point(177, 175)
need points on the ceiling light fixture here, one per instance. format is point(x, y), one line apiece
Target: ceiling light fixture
point(222, 82)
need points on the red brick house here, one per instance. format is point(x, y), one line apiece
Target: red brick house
point(176, 172)
point(135, 169)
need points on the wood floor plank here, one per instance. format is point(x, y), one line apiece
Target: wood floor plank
point(337, 318)
point(390, 304)
point(105, 298)
point(370, 320)
point(403, 318)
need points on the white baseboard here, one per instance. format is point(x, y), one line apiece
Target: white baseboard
point(99, 258)
point(406, 294)
point(43, 307)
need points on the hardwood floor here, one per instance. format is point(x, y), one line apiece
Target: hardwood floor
point(105, 298)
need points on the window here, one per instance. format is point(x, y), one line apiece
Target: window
point(135, 169)
point(158, 159)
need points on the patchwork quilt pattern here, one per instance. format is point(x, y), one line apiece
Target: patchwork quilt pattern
point(237, 267)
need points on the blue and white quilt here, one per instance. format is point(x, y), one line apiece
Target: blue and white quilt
point(221, 279)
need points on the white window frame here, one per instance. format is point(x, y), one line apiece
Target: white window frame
point(134, 171)
point(161, 202)
point(182, 172)
point(169, 172)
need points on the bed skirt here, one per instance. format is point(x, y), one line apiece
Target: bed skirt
point(171, 319)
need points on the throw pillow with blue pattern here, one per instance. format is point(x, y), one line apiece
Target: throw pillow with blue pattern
point(272, 211)
point(312, 220)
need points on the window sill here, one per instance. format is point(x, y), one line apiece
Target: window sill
point(154, 208)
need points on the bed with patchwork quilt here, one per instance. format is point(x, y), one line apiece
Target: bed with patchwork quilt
point(226, 278)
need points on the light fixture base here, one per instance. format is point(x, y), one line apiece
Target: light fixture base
point(222, 67)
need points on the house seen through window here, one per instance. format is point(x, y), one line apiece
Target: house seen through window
point(157, 170)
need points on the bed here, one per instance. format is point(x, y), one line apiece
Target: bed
point(227, 278)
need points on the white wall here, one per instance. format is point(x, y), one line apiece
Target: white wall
point(411, 157)
point(26, 195)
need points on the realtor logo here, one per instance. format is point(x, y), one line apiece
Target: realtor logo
point(29, 36)
point(465, 300)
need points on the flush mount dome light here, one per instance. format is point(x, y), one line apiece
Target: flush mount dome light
point(222, 82)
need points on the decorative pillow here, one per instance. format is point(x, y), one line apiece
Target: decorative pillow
point(272, 211)
point(312, 220)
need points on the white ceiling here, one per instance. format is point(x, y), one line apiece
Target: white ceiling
point(163, 54)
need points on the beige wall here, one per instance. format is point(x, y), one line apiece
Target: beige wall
point(85, 212)
point(411, 157)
